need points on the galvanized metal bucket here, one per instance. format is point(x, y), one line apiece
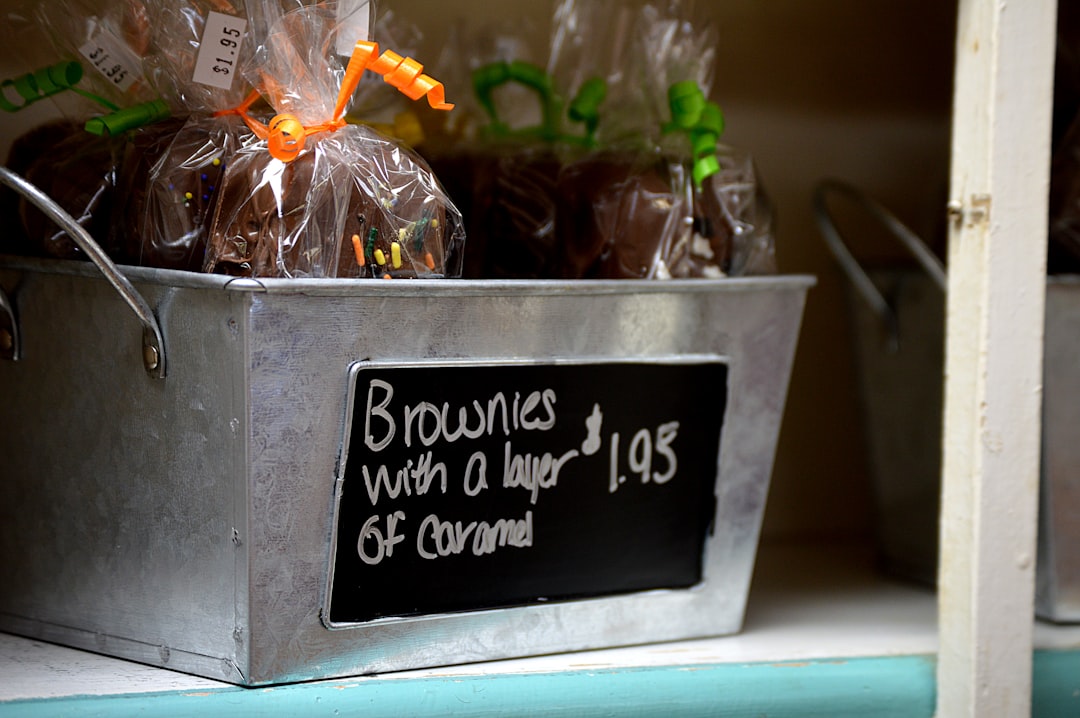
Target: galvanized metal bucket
point(1057, 584)
point(170, 473)
point(898, 320)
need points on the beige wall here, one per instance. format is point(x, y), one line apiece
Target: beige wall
point(859, 91)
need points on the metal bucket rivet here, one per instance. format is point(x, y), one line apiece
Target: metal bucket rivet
point(150, 358)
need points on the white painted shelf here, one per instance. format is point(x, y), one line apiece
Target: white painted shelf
point(806, 604)
point(820, 605)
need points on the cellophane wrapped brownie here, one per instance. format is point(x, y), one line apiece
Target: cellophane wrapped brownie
point(88, 64)
point(318, 197)
point(195, 54)
point(620, 173)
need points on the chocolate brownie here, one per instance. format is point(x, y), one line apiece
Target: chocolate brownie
point(353, 204)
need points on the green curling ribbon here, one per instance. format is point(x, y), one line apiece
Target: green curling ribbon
point(687, 102)
point(691, 112)
point(703, 143)
point(488, 78)
point(485, 79)
point(128, 119)
point(705, 167)
point(585, 107)
point(43, 83)
point(712, 119)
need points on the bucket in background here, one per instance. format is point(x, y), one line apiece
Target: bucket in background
point(898, 325)
point(898, 320)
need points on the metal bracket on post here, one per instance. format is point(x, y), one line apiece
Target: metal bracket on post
point(153, 345)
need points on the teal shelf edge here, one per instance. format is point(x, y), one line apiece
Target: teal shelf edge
point(1055, 688)
point(884, 687)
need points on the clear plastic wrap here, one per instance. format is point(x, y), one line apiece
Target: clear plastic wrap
point(97, 82)
point(618, 211)
point(508, 177)
point(35, 76)
point(640, 216)
point(170, 190)
point(47, 70)
point(622, 174)
point(195, 55)
point(654, 46)
point(743, 205)
point(658, 66)
point(321, 198)
point(377, 103)
point(511, 199)
point(108, 39)
point(78, 169)
point(79, 173)
point(356, 204)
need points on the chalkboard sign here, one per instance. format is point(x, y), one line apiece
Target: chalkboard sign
point(466, 487)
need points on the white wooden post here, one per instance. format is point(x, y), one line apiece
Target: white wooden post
point(993, 387)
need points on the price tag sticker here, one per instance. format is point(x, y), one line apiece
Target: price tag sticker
point(219, 51)
point(354, 24)
point(108, 56)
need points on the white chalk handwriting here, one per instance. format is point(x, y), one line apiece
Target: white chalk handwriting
point(424, 426)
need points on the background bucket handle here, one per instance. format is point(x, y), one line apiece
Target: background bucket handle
point(851, 267)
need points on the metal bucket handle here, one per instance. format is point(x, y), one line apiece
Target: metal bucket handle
point(858, 276)
point(153, 344)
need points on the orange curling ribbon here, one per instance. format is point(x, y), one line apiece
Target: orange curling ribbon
point(286, 135)
point(242, 110)
point(404, 73)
